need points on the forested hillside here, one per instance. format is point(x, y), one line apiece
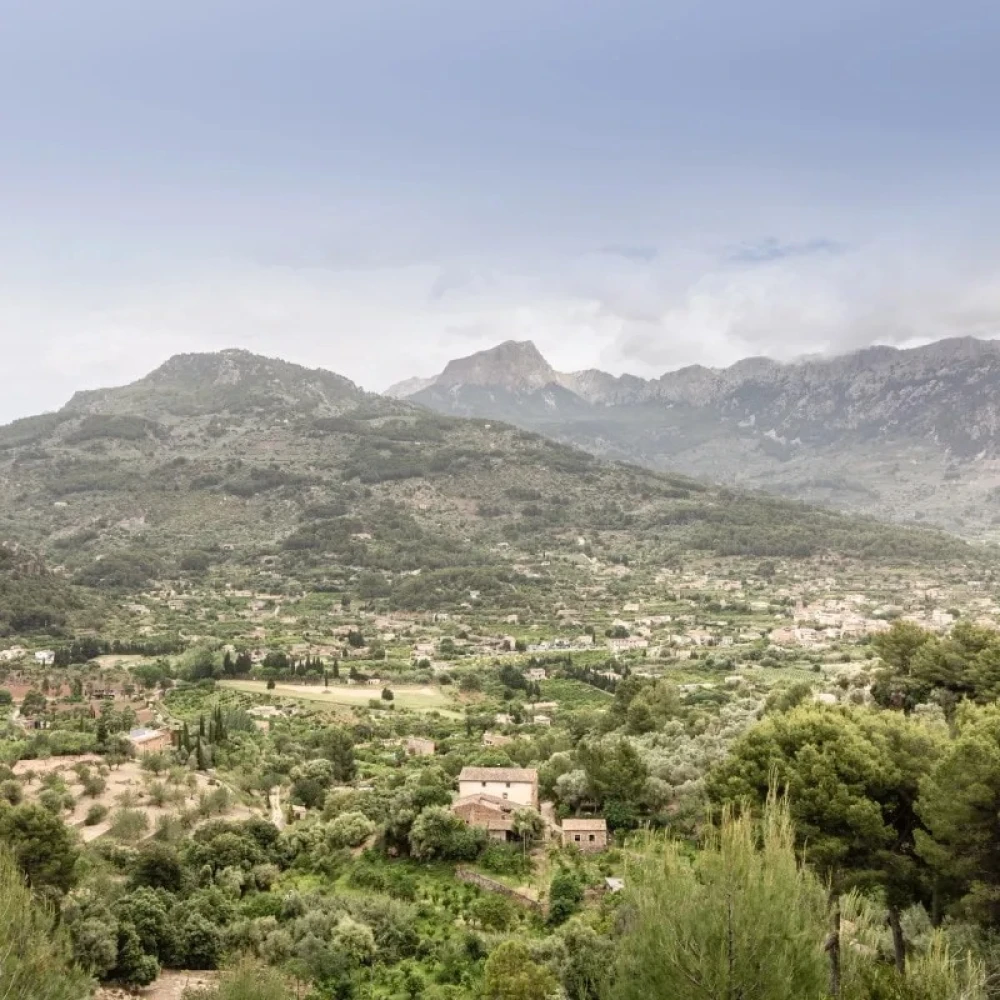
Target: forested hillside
point(226, 459)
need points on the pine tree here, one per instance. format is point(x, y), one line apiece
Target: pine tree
point(35, 953)
point(742, 918)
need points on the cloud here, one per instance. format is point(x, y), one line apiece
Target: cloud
point(640, 254)
point(787, 304)
point(378, 325)
point(773, 249)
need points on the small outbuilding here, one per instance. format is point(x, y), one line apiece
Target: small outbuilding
point(585, 834)
point(147, 741)
point(416, 746)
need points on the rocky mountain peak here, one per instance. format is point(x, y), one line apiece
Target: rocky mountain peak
point(515, 365)
point(223, 381)
point(914, 431)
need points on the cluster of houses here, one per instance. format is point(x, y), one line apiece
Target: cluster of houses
point(42, 657)
point(490, 797)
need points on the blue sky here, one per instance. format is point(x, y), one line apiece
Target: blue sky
point(376, 187)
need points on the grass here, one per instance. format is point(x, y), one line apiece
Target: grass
point(421, 698)
point(571, 694)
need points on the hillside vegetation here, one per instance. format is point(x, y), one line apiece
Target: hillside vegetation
point(230, 459)
point(33, 599)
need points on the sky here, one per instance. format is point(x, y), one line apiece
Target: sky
point(378, 186)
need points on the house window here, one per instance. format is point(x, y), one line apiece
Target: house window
point(505, 796)
point(591, 838)
point(484, 784)
point(507, 785)
point(576, 837)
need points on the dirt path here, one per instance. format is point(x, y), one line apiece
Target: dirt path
point(170, 986)
point(277, 814)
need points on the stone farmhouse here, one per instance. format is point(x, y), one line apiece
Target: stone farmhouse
point(147, 741)
point(585, 834)
point(488, 797)
point(488, 813)
point(419, 747)
point(509, 784)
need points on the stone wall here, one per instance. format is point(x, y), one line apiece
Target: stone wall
point(489, 885)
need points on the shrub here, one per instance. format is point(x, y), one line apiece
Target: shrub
point(95, 814)
point(129, 825)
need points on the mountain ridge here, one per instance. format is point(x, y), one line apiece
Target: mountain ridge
point(910, 433)
point(236, 461)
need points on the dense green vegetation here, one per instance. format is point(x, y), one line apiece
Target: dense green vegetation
point(851, 854)
point(329, 605)
point(32, 599)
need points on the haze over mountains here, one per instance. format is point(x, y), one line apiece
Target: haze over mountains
point(900, 434)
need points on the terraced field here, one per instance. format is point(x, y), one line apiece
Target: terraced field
point(421, 698)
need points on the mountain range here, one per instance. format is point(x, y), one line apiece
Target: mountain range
point(237, 464)
point(899, 434)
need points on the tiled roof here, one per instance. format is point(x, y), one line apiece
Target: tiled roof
point(526, 775)
point(584, 825)
point(488, 801)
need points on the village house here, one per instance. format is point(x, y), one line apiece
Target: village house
point(45, 657)
point(784, 636)
point(699, 637)
point(536, 674)
point(419, 747)
point(510, 784)
point(625, 645)
point(488, 798)
point(147, 741)
point(585, 834)
point(489, 813)
point(265, 712)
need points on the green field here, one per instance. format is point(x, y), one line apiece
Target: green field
point(573, 694)
point(421, 698)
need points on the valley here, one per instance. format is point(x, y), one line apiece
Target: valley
point(324, 690)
